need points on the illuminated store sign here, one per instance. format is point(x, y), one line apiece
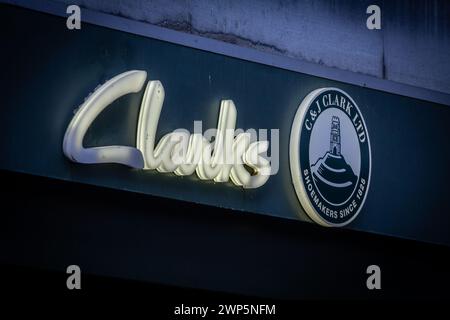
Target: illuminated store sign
point(329, 147)
point(231, 156)
point(336, 153)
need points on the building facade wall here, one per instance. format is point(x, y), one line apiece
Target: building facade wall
point(412, 46)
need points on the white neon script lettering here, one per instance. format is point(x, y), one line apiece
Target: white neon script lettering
point(230, 156)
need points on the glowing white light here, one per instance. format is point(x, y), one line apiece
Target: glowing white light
point(118, 86)
point(179, 151)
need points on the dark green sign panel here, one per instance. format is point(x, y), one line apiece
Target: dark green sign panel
point(48, 71)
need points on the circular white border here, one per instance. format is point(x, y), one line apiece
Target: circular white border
point(294, 159)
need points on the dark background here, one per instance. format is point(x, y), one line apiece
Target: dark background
point(114, 234)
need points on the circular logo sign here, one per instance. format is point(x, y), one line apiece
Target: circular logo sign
point(330, 157)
